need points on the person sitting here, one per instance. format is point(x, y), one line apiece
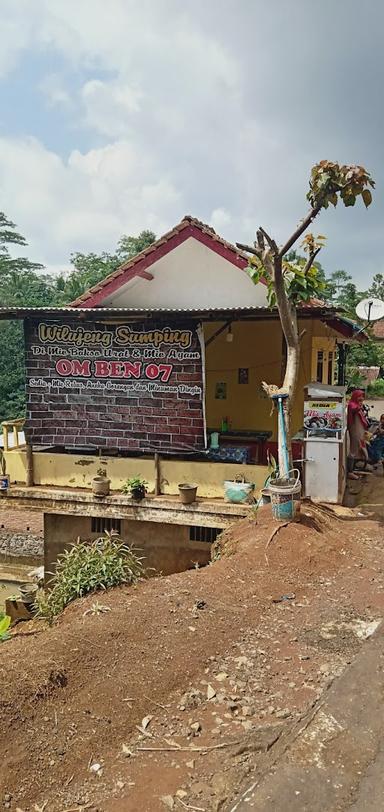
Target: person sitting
point(376, 446)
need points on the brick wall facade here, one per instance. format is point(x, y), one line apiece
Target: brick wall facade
point(112, 387)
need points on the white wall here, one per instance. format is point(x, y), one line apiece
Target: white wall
point(190, 276)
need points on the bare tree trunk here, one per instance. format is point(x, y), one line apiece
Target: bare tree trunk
point(288, 318)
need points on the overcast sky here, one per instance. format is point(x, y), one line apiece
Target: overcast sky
point(119, 115)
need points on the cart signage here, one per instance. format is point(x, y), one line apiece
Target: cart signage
point(322, 415)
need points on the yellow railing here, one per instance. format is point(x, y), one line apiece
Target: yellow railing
point(14, 427)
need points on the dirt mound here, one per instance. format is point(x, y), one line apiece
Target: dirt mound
point(214, 661)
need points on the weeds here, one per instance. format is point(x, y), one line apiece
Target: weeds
point(97, 609)
point(87, 567)
point(5, 622)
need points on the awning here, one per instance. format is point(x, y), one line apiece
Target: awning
point(329, 315)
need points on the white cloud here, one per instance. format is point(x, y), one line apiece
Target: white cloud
point(220, 219)
point(84, 203)
point(217, 109)
point(109, 107)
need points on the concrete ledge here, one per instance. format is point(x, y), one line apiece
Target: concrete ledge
point(162, 509)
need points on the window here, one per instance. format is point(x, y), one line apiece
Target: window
point(208, 534)
point(99, 524)
point(330, 368)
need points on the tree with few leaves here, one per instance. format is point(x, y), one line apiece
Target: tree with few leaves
point(290, 284)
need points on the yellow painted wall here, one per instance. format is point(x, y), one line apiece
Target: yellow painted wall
point(258, 347)
point(69, 470)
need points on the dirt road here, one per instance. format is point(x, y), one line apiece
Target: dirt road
point(336, 760)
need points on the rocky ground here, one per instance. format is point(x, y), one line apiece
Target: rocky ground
point(21, 532)
point(188, 685)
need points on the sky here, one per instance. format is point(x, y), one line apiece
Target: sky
point(125, 115)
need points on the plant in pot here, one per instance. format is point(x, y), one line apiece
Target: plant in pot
point(136, 487)
point(100, 483)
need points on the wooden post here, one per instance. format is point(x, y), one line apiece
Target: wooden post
point(5, 436)
point(157, 475)
point(29, 473)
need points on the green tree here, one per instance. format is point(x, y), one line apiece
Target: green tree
point(23, 283)
point(377, 286)
point(20, 284)
point(91, 268)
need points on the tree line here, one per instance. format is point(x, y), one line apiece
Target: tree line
point(27, 284)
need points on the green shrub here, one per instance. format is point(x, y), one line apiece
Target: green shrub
point(87, 567)
point(376, 388)
point(5, 622)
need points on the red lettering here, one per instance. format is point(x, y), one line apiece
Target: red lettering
point(81, 367)
point(102, 369)
point(152, 371)
point(64, 367)
point(166, 370)
point(132, 369)
point(116, 369)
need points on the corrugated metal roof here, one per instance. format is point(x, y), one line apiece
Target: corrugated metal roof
point(134, 312)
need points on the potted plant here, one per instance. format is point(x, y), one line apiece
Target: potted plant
point(100, 483)
point(187, 493)
point(136, 487)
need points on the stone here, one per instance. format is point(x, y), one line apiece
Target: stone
point(167, 801)
point(211, 693)
point(283, 714)
point(221, 677)
point(195, 727)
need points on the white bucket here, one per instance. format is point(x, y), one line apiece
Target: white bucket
point(285, 499)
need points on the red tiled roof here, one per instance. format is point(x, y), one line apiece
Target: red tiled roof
point(137, 266)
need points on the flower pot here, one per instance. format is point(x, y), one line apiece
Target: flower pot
point(138, 493)
point(187, 493)
point(100, 485)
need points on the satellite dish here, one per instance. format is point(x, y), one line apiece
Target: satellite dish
point(370, 309)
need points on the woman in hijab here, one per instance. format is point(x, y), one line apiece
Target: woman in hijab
point(357, 426)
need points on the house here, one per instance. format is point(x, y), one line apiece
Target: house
point(134, 378)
